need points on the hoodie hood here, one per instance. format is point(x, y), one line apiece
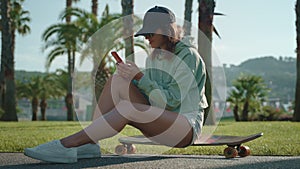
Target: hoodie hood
point(186, 41)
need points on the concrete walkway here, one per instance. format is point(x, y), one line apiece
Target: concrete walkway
point(19, 161)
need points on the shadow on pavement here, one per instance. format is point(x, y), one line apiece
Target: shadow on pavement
point(19, 161)
point(85, 163)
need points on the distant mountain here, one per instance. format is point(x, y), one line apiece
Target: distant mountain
point(22, 75)
point(278, 74)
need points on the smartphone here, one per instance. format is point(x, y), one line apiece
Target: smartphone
point(117, 57)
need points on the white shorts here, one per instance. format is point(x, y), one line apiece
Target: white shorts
point(196, 121)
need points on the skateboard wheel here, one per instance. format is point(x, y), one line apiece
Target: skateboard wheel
point(131, 149)
point(120, 150)
point(230, 152)
point(244, 151)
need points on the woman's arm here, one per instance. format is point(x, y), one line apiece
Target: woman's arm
point(171, 95)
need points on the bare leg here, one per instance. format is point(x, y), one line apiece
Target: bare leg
point(115, 89)
point(163, 126)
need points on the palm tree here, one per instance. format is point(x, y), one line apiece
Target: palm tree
point(109, 31)
point(88, 24)
point(9, 108)
point(31, 89)
point(206, 29)
point(63, 46)
point(19, 22)
point(188, 17)
point(127, 11)
point(50, 88)
point(63, 39)
point(297, 94)
point(205, 19)
point(252, 89)
point(61, 81)
point(235, 98)
point(93, 33)
point(71, 64)
point(41, 88)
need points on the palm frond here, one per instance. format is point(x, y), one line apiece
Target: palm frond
point(51, 31)
point(218, 14)
point(58, 51)
point(216, 31)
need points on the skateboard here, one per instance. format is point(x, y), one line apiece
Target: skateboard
point(234, 144)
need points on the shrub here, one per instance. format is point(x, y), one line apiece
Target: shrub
point(269, 113)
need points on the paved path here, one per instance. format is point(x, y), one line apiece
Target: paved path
point(19, 161)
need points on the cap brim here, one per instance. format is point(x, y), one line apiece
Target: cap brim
point(145, 30)
point(139, 33)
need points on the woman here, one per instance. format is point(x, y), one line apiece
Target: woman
point(165, 102)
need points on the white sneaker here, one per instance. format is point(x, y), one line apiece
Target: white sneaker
point(88, 151)
point(52, 151)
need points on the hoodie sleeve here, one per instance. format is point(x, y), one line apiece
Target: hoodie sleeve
point(170, 95)
point(163, 96)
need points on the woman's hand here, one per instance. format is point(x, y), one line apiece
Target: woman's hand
point(129, 70)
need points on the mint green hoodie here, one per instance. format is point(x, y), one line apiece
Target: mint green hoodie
point(176, 83)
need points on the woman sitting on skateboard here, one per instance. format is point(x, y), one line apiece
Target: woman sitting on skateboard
point(165, 101)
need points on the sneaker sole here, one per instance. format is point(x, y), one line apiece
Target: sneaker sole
point(49, 158)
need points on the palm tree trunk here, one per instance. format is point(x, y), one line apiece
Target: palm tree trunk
point(95, 7)
point(2, 89)
point(2, 80)
point(188, 17)
point(127, 11)
point(236, 113)
point(68, 5)
point(7, 52)
point(43, 107)
point(69, 104)
point(205, 19)
point(95, 71)
point(34, 105)
point(297, 93)
point(245, 111)
point(69, 96)
point(9, 75)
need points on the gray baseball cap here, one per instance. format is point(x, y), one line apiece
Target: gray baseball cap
point(155, 18)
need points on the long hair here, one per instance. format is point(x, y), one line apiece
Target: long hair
point(172, 33)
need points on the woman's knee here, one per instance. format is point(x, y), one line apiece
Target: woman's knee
point(133, 112)
point(116, 79)
point(125, 108)
point(119, 83)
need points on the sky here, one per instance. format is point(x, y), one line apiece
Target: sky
point(249, 29)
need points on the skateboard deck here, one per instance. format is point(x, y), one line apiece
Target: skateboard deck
point(234, 143)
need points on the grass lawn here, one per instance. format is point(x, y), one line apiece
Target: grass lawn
point(280, 138)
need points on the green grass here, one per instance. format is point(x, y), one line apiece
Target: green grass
point(280, 138)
